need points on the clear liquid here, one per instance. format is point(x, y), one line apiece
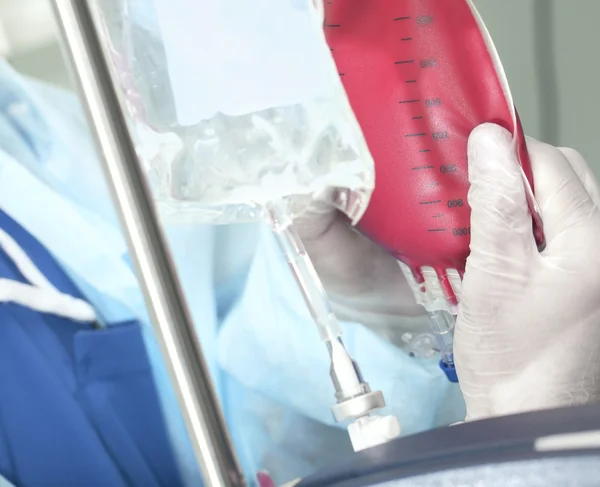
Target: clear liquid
point(231, 168)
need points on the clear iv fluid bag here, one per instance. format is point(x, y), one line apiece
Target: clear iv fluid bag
point(236, 105)
point(420, 76)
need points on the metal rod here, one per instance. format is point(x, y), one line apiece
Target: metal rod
point(170, 317)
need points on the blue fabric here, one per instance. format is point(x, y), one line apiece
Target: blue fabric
point(78, 406)
point(268, 365)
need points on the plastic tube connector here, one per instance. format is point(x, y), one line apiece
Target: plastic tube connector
point(354, 396)
point(449, 371)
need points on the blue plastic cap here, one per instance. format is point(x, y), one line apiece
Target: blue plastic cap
point(450, 371)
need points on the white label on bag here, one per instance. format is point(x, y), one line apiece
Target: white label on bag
point(238, 57)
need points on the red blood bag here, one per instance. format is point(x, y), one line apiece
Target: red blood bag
point(420, 76)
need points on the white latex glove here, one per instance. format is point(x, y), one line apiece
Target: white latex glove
point(364, 283)
point(528, 331)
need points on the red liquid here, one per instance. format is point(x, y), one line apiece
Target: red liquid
point(419, 78)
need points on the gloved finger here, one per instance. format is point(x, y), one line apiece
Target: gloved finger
point(357, 274)
point(585, 173)
point(347, 261)
point(560, 193)
point(501, 226)
point(314, 224)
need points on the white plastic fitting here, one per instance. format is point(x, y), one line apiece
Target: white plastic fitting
point(370, 431)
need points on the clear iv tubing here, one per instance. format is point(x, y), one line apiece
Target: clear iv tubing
point(354, 397)
point(442, 326)
point(306, 276)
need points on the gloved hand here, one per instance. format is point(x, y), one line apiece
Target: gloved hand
point(528, 331)
point(364, 283)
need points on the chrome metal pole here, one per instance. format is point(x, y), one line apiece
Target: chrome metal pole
point(171, 319)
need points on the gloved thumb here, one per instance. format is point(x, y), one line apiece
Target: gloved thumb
point(501, 226)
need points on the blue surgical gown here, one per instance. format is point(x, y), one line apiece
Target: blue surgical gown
point(78, 406)
point(269, 368)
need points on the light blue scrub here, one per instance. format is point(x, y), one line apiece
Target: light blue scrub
point(268, 365)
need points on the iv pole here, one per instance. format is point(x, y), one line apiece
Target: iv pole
point(171, 320)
